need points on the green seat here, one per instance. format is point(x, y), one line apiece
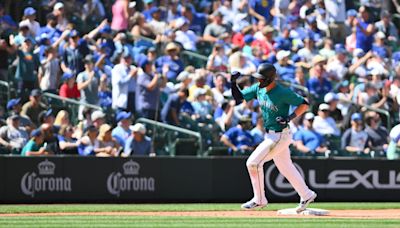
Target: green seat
point(218, 151)
point(186, 147)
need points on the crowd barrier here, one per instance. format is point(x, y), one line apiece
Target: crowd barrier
point(184, 179)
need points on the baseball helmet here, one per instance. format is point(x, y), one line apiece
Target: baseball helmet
point(265, 71)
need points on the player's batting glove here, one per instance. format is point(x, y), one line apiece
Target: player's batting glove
point(283, 120)
point(235, 75)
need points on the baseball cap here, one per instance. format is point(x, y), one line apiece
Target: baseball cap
point(139, 128)
point(282, 54)
point(14, 117)
point(148, 1)
point(90, 128)
point(356, 116)
point(123, 115)
point(74, 33)
point(358, 52)
point(97, 115)
point(248, 38)
point(331, 97)
point(36, 92)
point(380, 35)
point(29, 11)
point(323, 107)
point(36, 133)
point(105, 30)
point(13, 102)
point(318, 59)
point(154, 9)
point(66, 76)
point(351, 13)
point(171, 46)
point(183, 76)
point(181, 21)
point(45, 114)
point(143, 62)
point(58, 6)
point(309, 116)
point(340, 49)
point(88, 59)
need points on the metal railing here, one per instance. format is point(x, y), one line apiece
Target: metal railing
point(71, 101)
point(7, 86)
point(175, 129)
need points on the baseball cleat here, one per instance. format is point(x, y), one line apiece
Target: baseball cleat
point(304, 204)
point(252, 206)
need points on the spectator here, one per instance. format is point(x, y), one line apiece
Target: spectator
point(107, 141)
point(62, 119)
point(12, 136)
point(370, 90)
point(88, 84)
point(50, 30)
point(239, 139)
point(72, 59)
point(140, 27)
point(284, 69)
point(67, 143)
point(336, 15)
point(148, 88)
point(394, 145)
point(187, 38)
point(49, 71)
point(365, 30)
point(318, 84)
point(122, 131)
point(33, 107)
point(351, 16)
point(172, 108)
point(158, 25)
point(332, 99)
point(171, 61)
point(213, 31)
point(324, 124)
point(58, 11)
point(260, 10)
point(14, 107)
point(90, 145)
point(337, 66)
point(217, 61)
point(202, 107)
point(309, 51)
point(98, 118)
point(355, 139)
point(36, 145)
point(199, 82)
point(69, 89)
point(307, 139)
point(93, 12)
point(219, 89)
point(227, 119)
point(29, 19)
point(377, 133)
point(258, 131)
point(386, 26)
point(138, 143)
point(197, 20)
point(124, 84)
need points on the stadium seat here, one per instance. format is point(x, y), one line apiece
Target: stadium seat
point(186, 146)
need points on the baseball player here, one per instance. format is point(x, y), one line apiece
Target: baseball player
point(275, 101)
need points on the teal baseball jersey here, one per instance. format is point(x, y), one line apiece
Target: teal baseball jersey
point(274, 103)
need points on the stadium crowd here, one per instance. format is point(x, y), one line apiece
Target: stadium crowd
point(140, 59)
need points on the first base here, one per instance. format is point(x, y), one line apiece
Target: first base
point(308, 211)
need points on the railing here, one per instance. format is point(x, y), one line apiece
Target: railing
point(175, 129)
point(7, 86)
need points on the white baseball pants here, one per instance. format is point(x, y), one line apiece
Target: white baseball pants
point(275, 146)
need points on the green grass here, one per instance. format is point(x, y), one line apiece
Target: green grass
point(191, 222)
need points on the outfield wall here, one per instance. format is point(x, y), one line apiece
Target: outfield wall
point(166, 179)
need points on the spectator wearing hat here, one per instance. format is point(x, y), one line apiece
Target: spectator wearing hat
point(172, 108)
point(297, 33)
point(59, 13)
point(69, 88)
point(324, 124)
point(148, 9)
point(379, 47)
point(365, 30)
point(284, 69)
point(332, 99)
point(122, 131)
point(355, 139)
point(106, 140)
point(34, 106)
point(202, 107)
point(318, 84)
point(171, 61)
point(27, 64)
point(49, 71)
point(156, 22)
point(68, 144)
point(216, 28)
point(123, 82)
point(238, 138)
point(218, 60)
point(98, 118)
point(197, 20)
point(88, 84)
point(307, 139)
point(29, 18)
point(138, 143)
point(148, 90)
point(184, 80)
point(369, 91)
point(336, 16)
point(264, 39)
point(73, 57)
point(351, 15)
point(187, 38)
point(393, 150)
point(14, 107)
point(377, 133)
point(386, 26)
point(199, 82)
point(13, 137)
point(337, 66)
point(35, 146)
point(50, 29)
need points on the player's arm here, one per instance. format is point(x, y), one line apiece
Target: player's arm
point(240, 95)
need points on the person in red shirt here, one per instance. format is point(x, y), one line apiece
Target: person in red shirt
point(69, 88)
point(238, 38)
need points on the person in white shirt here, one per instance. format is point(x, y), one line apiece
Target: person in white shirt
point(336, 15)
point(184, 36)
point(29, 20)
point(123, 82)
point(323, 123)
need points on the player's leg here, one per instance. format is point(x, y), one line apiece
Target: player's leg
point(255, 168)
point(285, 166)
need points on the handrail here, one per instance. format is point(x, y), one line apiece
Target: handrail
point(175, 128)
point(382, 111)
point(72, 101)
point(6, 84)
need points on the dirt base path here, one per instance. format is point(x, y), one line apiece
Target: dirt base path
point(357, 214)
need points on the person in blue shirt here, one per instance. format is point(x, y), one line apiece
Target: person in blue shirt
point(172, 108)
point(239, 139)
point(50, 29)
point(318, 84)
point(138, 143)
point(260, 10)
point(197, 20)
point(307, 140)
point(171, 61)
point(285, 70)
point(365, 30)
point(122, 132)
